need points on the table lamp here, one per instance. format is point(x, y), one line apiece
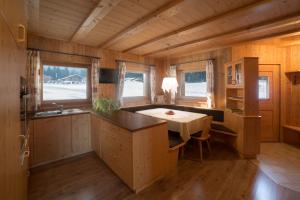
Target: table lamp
point(170, 85)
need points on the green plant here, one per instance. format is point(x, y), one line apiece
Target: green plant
point(106, 105)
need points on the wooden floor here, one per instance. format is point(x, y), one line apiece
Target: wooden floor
point(221, 176)
point(281, 162)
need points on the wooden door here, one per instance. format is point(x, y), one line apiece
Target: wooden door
point(269, 102)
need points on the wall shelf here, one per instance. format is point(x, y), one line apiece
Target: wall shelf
point(241, 99)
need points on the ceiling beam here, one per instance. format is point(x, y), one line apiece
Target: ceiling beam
point(137, 26)
point(102, 9)
point(199, 23)
point(279, 22)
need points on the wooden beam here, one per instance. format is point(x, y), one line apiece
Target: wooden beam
point(103, 8)
point(199, 23)
point(137, 26)
point(277, 22)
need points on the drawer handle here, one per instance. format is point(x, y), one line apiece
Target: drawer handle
point(21, 33)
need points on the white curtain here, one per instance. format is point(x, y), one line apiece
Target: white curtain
point(120, 84)
point(152, 83)
point(95, 78)
point(210, 84)
point(33, 70)
point(172, 73)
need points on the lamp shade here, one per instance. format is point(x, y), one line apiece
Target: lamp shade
point(169, 84)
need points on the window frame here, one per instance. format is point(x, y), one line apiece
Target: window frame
point(182, 85)
point(68, 102)
point(146, 91)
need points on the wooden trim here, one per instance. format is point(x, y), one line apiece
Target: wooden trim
point(197, 24)
point(242, 30)
point(138, 24)
point(102, 9)
point(59, 52)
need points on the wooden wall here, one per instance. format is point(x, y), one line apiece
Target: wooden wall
point(292, 95)
point(108, 58)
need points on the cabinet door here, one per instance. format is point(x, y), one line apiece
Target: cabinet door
point(81, 136)
point(95, 134)
point(238, 73)
point(52, 139)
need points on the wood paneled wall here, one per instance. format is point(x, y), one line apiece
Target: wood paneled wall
point(292, 95)
point(108, 58)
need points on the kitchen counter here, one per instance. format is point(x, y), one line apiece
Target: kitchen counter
point(129, 121)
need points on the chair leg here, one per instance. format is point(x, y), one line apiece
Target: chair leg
point(208, 146)
point(201, 155)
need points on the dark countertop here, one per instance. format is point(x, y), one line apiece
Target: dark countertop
point(130, 121)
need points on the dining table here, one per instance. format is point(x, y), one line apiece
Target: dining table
point(184, 122)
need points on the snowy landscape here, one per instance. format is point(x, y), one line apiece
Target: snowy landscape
point(195, 89)
point(133, 88)
point(52, 91)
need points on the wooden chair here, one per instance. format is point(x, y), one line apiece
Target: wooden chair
point(203, 135)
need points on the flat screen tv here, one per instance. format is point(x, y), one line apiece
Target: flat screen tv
point(107, 75)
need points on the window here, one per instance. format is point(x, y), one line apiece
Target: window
point(194, 84)
point(65, 83)
point(134, 84)
point(263, 87)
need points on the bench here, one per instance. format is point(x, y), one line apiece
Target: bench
point(175, 143)
point(220, 128)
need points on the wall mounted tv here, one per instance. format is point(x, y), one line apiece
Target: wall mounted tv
point(107, 75)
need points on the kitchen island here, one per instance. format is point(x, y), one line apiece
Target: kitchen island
point(134, 146)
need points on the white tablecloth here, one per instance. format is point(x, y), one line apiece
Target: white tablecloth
point(186, 123)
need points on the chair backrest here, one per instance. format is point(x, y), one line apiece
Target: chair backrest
point(206, 126)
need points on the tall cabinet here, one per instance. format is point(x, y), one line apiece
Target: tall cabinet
point(242, 104)
point(13, 180)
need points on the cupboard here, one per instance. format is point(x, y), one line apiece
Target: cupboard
point(56, 138)
point(14, 171)
point(242, 104)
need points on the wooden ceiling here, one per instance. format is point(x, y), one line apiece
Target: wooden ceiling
point(162, 27)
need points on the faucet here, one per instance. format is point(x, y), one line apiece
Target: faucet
point(60, 107)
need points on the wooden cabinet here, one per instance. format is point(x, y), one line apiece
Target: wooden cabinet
point(116, 150)
point(13, 181)
point(95, 134)
point(52, 139)
point(81, 137)
point(56, 138)
point(242, 105)
point(242, 86)
point(138, 157)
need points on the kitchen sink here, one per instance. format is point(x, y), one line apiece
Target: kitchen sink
point(57, 112)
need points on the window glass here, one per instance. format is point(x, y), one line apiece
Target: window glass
point(64, 83)
point(263, 87)
point(195, 84)
point(134, 84)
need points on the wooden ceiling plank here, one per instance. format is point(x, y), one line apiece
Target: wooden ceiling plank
point(269, 24)
point(103, 8)
point(138, 24)
point(199, 23)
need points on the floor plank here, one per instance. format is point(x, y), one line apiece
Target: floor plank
point(222, 175)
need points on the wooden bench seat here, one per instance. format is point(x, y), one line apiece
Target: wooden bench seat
point(175, 141)
point(220, 128)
